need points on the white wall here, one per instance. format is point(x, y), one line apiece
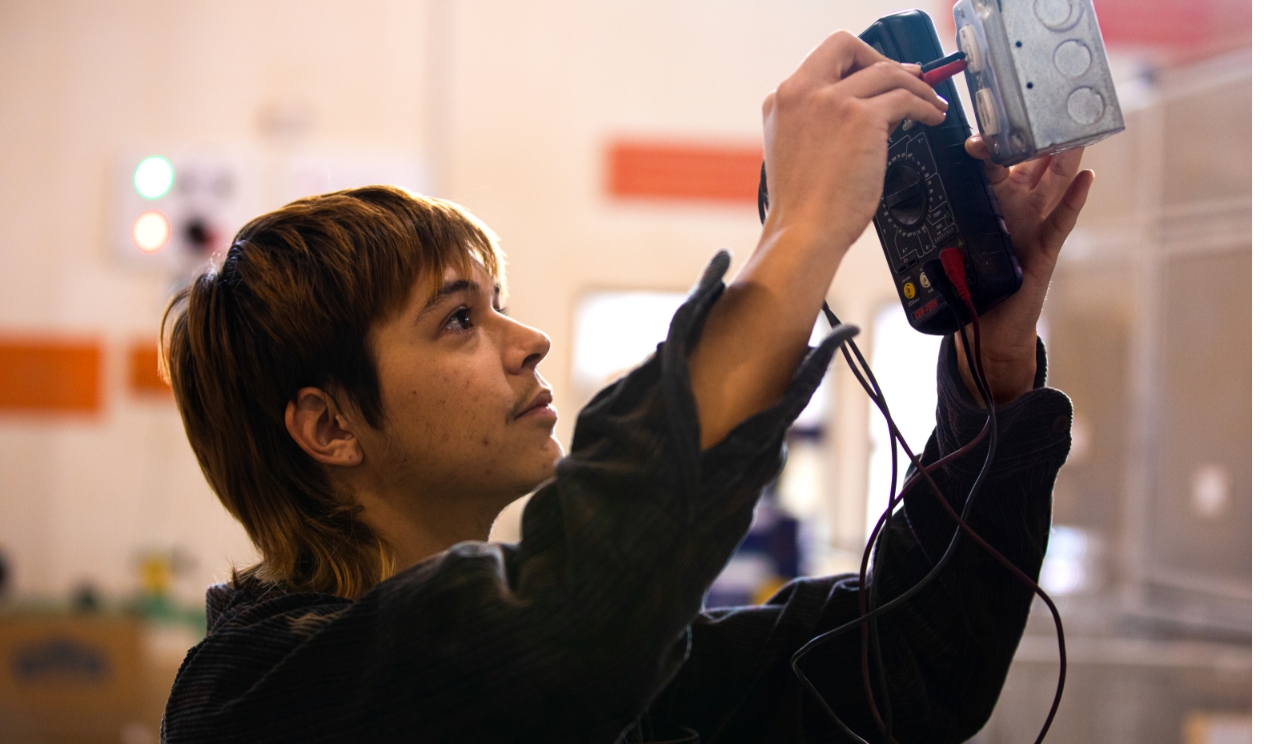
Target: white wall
point(510, 103)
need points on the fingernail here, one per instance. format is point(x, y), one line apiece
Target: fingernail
point(915, 69)
point(943, 102)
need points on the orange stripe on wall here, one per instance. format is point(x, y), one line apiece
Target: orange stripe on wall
point(686, 172)
point(142, 369)
point(49, 376)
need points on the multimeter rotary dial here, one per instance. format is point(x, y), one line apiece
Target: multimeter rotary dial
point(914, 217)
point(904, 193)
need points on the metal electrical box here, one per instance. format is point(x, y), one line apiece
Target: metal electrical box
point(1038, 76)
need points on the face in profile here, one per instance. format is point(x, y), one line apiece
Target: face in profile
point(466, 414)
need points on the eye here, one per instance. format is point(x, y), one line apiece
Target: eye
point(459, 321)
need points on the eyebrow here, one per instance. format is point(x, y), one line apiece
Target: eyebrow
point(456, 286)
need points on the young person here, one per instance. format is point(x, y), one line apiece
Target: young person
point(359, 400)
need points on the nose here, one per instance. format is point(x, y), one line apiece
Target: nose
point(528, 347)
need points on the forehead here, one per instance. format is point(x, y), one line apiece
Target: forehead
point(431, 286)
point(471, 263)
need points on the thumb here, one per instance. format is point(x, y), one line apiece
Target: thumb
point(975, 148)
point(1058, 225)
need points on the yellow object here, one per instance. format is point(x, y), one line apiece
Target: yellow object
point(155, 574)
point(909, 290)
point(767, 590)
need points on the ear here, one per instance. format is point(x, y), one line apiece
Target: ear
point(315, 423)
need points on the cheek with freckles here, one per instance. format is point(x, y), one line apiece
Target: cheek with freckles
point(452, 425)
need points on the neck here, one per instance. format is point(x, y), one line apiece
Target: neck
point(416, 531)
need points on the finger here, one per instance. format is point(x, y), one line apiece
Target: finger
point(1028, 173)
point(1057, 226)
point(975, 148)
point(1060, 171)
point(900, 104)
point(839, 55)
point(881, 77)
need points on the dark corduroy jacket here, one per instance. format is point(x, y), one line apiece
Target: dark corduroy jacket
point(589, 629)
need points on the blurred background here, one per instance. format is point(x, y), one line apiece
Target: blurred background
point(614, 147)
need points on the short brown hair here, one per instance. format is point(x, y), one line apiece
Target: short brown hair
point(291, 307)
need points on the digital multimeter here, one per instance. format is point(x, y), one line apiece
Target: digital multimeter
point(936, 196)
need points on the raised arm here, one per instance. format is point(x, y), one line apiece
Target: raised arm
point(946, 651)
point(825, 146)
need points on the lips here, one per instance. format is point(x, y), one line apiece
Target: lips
point(538, 404)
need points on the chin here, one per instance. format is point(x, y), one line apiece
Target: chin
point(546, 466)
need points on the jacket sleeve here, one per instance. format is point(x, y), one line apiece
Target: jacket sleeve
point(564, 637)
point(946, 651)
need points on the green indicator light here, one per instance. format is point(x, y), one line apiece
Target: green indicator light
point(154, 177)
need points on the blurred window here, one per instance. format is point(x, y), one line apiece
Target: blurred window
point(615, 331)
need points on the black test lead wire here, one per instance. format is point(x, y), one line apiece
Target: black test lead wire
point(957, 280)
point(958, 293)
point(975, 364)
point(871, 616)
point(875, 393)
point(884, 718)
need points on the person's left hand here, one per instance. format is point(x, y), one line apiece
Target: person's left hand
point(1040, 201)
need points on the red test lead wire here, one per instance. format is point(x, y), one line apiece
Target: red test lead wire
point(934, 73)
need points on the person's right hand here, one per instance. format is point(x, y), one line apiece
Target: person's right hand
point(825, 149)
point(825, 137)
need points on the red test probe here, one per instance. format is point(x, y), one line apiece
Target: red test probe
point(934, 73)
